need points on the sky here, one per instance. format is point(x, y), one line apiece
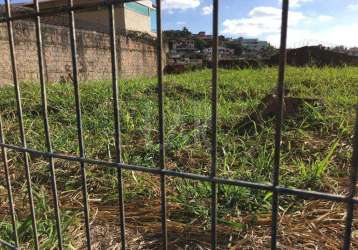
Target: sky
point(311, 22)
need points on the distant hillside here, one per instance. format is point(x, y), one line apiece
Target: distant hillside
point(315, 56)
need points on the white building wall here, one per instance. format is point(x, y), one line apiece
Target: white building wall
point(137, 22)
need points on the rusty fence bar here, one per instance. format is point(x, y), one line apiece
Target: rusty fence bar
point(46, 126)
point(79, 122)
point(277, 190)
point(214, 107)
point(279, 121)
point(163, 200)
point(117, 133)
point(8, 186)
point(352, 189)
point(21, 123)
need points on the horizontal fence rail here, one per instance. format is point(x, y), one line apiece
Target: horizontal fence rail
point(161, 170)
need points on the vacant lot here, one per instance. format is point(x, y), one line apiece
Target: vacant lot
point(316, 153)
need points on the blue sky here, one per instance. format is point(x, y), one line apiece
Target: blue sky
point(328, 22)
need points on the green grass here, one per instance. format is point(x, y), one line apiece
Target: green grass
point(316, 143)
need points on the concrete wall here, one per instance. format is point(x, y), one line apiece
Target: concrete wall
point(132, 23)
point(136, 56)
point(98, 20)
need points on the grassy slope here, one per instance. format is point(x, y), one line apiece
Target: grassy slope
point(316, 143)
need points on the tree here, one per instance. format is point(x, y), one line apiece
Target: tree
point(185, 32)
point(237, 47)
point(175, 34)
point(200, 44)
point(268, 51)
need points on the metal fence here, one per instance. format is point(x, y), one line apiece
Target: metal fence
point(275, 187)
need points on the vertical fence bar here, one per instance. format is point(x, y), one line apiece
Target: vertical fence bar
point(21, 123)
point(9, 188)
point(279, 121)
point(46, 125)
point(214, 104)
point(117, 136)
point(79, 123)
point(352, 188)
point(161, 124)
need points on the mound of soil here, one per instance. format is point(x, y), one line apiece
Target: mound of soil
point(269, 107)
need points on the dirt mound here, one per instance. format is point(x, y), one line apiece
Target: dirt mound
point(269, 106)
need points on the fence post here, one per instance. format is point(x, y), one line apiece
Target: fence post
point(117, 134)
point(352, 188)
point(21, 123)
point(8, 184)
point(163, 199)
point(279, 121)
point(46, 125)
point(79, 122)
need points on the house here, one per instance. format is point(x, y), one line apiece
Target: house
point(224, 53)
point(340, 49)
point(182, 44)
point(133, 16)
point(353, 51)
point(203, 36)
point(183, 48)
point(253, 44)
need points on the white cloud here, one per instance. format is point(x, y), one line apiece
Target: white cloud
point(261, 21)
point(264, 11)
point(353, 6)
point(207, 10)
point(336, 35)
point(180, 23)
point(297, 3)
point(180, 4)
point(265, 22)
point(295, 38)
point(341, 35)
point(324, 18)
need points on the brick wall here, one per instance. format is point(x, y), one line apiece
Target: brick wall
point(136, 57)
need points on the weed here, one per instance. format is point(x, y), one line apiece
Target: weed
point(315, 142)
